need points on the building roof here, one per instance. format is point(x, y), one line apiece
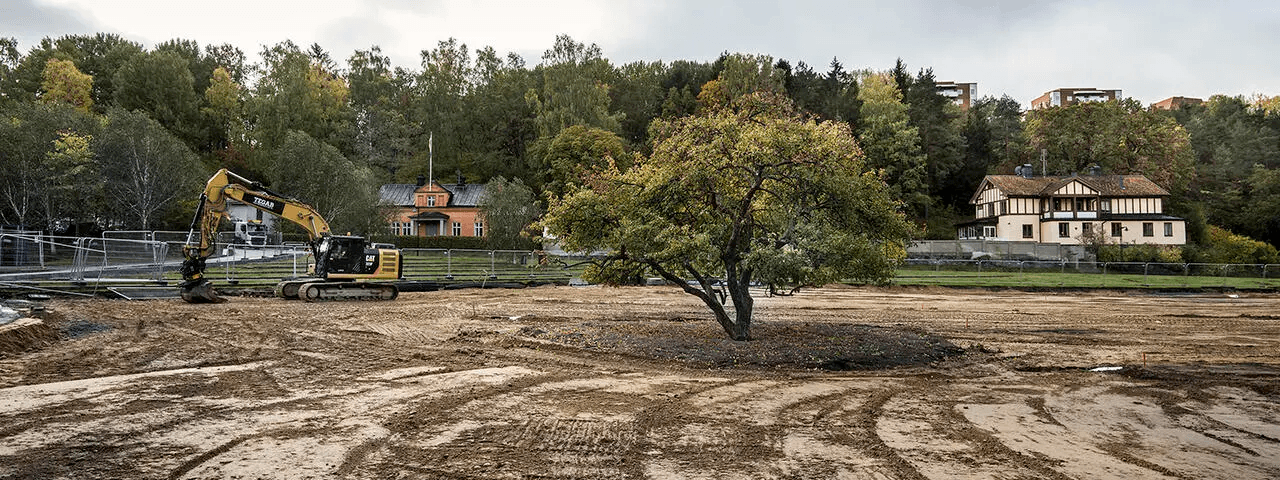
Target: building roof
point(466, 194)
point(1105, 185)
point(460, 195)
point(399, 194)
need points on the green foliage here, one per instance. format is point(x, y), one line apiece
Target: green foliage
point(574, 152)
point(440, 242)
point(575, 89)
point(1237, 148)
point(1112, 253)
point(638, 96)
point(296, 93)
point(994, 139)
point(743, 195)
point(97, 56)
point(224, 108)
point(9, 58)
point(37, 141)
point(740, 76)
point(1222, 246)
point(942, 220)
point(508, 207)
point(939, 123)
point(833, 96)
point(343, 192)
point(161, 84)
point(1120, 137)
point(891, 144)
point(145, 169)
point(64, 83)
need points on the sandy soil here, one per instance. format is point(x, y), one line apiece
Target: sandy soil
point(588, 382)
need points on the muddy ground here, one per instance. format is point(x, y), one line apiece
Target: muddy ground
point(591, 382)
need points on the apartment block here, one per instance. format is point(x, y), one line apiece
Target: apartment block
point(962, 94)
point(1071, 96)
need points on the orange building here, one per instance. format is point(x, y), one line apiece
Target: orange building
point(428, 210)
point(1174, 103)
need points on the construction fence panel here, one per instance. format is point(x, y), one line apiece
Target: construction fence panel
point(121, 259)
point(29, 251)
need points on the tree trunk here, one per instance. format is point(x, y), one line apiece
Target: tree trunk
point(739, 327)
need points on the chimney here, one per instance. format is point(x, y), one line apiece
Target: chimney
point(1095, 170)
point(1026, 171)
point(422, 180)
point(461, 179)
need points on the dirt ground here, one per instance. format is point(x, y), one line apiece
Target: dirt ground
point(593, 382)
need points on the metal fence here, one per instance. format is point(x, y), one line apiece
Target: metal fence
point(1090, 273)
point(33, 260)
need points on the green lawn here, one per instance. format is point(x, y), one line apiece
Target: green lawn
point(1040, 278)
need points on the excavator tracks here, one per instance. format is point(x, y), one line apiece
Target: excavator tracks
point(321, 291)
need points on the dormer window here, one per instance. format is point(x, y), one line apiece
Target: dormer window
point(431, 200)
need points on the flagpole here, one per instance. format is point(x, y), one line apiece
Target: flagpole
point(431, 158)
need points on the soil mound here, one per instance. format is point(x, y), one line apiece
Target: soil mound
point(804, 346)
point(25, 334)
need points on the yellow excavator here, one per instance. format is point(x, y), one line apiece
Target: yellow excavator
point(345, 267)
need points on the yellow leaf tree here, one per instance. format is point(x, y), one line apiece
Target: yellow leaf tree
point(63, 82)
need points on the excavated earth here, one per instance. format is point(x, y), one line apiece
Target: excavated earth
point(594, 382)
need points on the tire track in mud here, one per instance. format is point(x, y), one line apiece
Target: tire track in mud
point(862, 434)
point(387, 457)
point(929, 425)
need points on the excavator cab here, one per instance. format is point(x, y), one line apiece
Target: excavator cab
point(341, 254)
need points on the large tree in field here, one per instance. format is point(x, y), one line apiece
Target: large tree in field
point(739, 195)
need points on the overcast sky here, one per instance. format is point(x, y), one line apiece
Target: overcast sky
point(1150, 50)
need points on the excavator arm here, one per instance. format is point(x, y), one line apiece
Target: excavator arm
point(201, 244)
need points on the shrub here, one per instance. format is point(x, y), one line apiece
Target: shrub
point(449, 242)
point(1222, 246)
point(445, 242)
point(1112, 253)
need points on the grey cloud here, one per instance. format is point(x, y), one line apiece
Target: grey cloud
point(29, 21)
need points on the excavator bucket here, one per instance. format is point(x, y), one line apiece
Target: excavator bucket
point(200, 291)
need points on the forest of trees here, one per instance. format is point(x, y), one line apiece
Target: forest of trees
point(98, 132)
